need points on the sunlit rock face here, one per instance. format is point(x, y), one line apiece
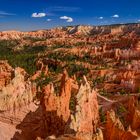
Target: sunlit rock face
point(6, 72)
point(7, 35)
point(116, 30)
point(107, 55)
point(83, 123)
point(17, 93)
point(56, 106)
point(67, 31)
point(16, 101)
point(114, 129)
point(133, 116)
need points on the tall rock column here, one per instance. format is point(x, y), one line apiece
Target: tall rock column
point(114, 129)
point(56, 107)
point(83, 123)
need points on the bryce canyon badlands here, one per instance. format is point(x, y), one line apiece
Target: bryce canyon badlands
point(70, 83)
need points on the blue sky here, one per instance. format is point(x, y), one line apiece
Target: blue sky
point(27, 15)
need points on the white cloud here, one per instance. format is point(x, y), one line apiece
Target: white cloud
point(139, 20)
point(116, 16)
point(38, 15)
point(49, 20)
point(68, 19)
point(101, 17)
point(3, 14)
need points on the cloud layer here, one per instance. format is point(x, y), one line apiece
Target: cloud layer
point(3, 14)
point(115, 16)
point(38, 15)
point(101, 17)
point(68, 19)
point(49, 20)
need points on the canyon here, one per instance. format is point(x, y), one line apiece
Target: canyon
point(70, 83)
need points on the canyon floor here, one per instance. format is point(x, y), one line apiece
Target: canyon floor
point(70, 83)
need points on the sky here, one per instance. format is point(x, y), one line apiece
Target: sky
point(29, 15)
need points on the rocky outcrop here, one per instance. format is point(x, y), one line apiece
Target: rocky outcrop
point(56, 106)
point(83, 123)
point(114, 129)
point(17, 93)
point(5, 73)
point(7, 35)
point(117, 30)
point(16, 104)
point(79, 30)
point(133, 116)
point(107, 55)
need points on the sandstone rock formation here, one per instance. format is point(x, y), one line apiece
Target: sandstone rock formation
point(16, 93)
point(16, 101)
point(56, 106)
point(5, 73)
point(68, 31)
point(83, 123)
point(114, 129)
point(133, 114)
point(108, 56)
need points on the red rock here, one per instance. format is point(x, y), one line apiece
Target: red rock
point(18, 90)
point(36, 75)
point(16, 101)
point(56, 106)
point(5, 73)
point(114, 129)
point(133, 114)
point(83, 124)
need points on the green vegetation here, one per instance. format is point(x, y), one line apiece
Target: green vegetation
point(71, 57)
point(34, 39)
point(121, 111)
point(139, 90)
point(43, 80)
point(123, 91)
point(61, 56)
point(99, 80)
point(80, 44)
point(55, 69)
point(56, 46)
point(73, 69)
point(72, 104)
point(103, 92)
point(34, 49)
point(70, 60)
point(25, 59)
point(102, 115)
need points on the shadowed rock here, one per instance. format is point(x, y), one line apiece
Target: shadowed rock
point(56, 107)
point(114, 129)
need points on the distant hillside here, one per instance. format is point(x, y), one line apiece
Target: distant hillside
point(81, 30)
